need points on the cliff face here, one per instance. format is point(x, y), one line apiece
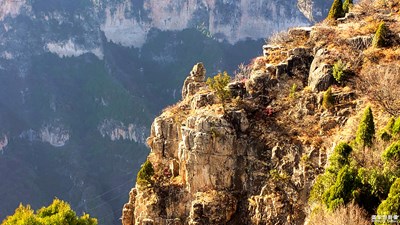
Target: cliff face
point(251, 160)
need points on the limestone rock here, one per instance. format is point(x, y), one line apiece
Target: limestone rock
point(320, 77)
point(212, 208)
point(202, 100)
point(194, 81)
point(128, 211)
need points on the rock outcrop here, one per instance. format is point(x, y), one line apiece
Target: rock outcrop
point(320, 77)
point(229, 165)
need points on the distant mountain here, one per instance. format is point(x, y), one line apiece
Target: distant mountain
point(80, 83)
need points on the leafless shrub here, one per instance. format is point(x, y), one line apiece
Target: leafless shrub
point(279, 38)
point(242, 73)
point(382, 84)
point(365, 6)
point(350, 214)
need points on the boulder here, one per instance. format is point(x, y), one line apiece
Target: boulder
point(320, 76)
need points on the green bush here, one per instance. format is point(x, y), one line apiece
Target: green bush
point(145, 174)
point(377, 181)
point(322, 183)
point(59, 212)
point(339, 157)
point(336, 10)
point(380, 36)
point(219, 84)
point(339, 71)
point(346, 5)
point(391, 206)
point(396, 127)
point(293, 90)
point(342, 191)
point(328, 99)
point(366, 129)
point(392, 153)
point(386, 133)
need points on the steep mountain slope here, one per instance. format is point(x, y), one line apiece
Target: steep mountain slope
point(254, 158)
point(80, 82)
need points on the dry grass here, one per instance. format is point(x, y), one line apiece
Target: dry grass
point(276, 56)
point(350, 214)
point(279, 38)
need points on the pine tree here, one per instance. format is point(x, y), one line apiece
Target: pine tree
point(336, 10)
point(380, 36)
point(366, 129)
point(346, 5)
point(219, 84)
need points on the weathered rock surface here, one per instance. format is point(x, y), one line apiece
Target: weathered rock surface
point(320, 77)
point(194, 81)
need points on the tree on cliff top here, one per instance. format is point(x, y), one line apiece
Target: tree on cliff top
point(336, 10)
point(219, 85)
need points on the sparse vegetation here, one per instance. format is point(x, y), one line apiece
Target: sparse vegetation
point(219, 85)
point(293, 90)
point(339, 71)
point(243, 72)
point(279, 38)
point(349, 214)
point(366, 129)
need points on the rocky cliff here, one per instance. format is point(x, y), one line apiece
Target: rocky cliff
point(254, 158)
point(80, 83)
